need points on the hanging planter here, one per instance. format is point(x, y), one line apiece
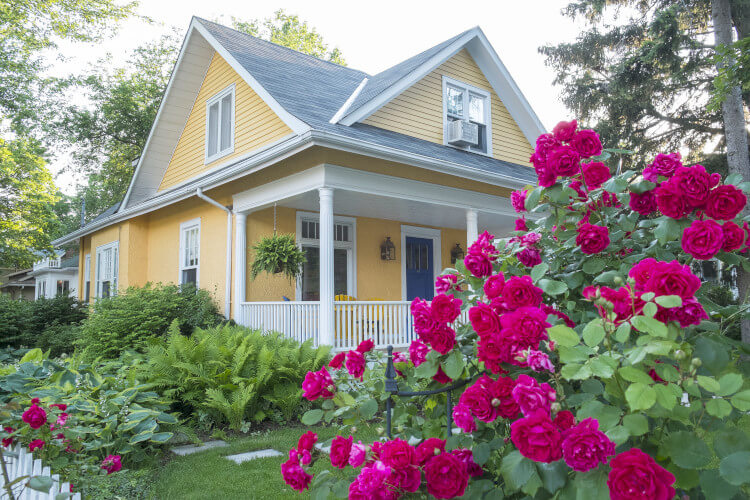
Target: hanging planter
point(278, 254)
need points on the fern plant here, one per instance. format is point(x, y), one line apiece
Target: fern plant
point(278, 254)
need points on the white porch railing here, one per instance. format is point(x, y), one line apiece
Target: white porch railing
point(24, 464)
point(385, 322)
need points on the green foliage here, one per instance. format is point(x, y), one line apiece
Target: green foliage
point(734, 71)
point(278, 254)
point(129, 320)
point(233, 374)
point(26, 194)
point(36, 323)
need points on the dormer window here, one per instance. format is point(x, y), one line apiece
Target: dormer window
point(466, 117)
point(220, 124)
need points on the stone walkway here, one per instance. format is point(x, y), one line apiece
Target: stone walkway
point(238, 458)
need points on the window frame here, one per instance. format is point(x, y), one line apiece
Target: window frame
point(115, 246)
point(467, 90)
point(87, 277)
point(63, 283)
point(217, 98)
point(349, 246)
point(184, 228)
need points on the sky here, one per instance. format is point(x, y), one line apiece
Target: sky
point(372, 36)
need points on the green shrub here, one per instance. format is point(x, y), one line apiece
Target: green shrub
point(232, 374)
point(22, 322)
point(58, 339)
point(130, 319)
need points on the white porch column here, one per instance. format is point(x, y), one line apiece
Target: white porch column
point(326, 267)
point(471, 227)
point(240, 262)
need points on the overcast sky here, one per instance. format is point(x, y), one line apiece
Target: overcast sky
point(372, 35)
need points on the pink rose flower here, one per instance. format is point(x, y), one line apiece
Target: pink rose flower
point(407, 479)
point(365, 346)
point(537, 438)
point(564, 131)
point(355, 364)
point(532, 396)
point(483, 319)
point(440, 377)
point(690, 313)
point(546, 175)
point(295, 476)
point(418, 351)
point(545, 143)
point(446, 308)
point(521, 224)
point(733, 236)
point(634, 475)
point(694, 184)
point(644, 203)
point(35, 416)
point(564, 161)
point(371, 483)
point(398, 454)
point(424, 322)
point(429, 448)
point(477, 398)
point(664, 165)
point(341, 448)
point(595, 173)
point(337, 361)
point(307, 441)
point(529, 323)
point(518, 200)
point(113, 463)
point(463, 419)
point(445, 283)
point(564, 420)
point(538, 361)
point(587, 143)
point(725, 202)
point(446, 476)
point(520, 291)
point(358, 454)
point(702, 239)
point(443, 339)
point(318, 385)
point(673, 278)
point(478, 264)
point(592, 239)
point(36, 444)
point(670, 202)
point(466, 457)
point(493, 287)
point(642, 271)
point(8, 441)
point(529, 256)
point(585, 446)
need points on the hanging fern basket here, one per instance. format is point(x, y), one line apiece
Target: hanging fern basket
point(278, 254)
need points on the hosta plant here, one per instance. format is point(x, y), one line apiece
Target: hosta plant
point(594, 365)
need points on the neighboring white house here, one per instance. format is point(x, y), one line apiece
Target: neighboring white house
point(56, 275)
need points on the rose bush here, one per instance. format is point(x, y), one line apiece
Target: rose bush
point(599, 371)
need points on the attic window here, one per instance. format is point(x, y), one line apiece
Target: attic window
point(470, 106)
point(220, 124)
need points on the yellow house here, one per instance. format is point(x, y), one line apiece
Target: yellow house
point(251, 137)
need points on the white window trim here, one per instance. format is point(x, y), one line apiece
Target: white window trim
point(184, 227)
point(230, 90)
point(487, 112)
point(350, 246)
point(86, 276)
point(420, 232)
point(115, 270)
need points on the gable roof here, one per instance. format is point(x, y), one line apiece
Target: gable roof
point(307, 93)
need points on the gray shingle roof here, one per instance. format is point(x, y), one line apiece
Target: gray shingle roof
point(313, 90)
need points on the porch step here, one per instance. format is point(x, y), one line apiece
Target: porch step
point(252, 455)
point(190, 449)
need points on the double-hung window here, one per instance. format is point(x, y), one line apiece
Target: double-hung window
point(63, 287)
point(308, 236)
point(462, 101)
point(190, 251)
point(41, 289)
point(107, 264)
point(220, 124)
point(87, 278)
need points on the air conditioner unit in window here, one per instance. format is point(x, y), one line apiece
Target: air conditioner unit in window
point(463, 133)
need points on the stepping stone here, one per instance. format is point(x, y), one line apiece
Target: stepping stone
point(252, 455)
point(190, 449)
point(324, 449)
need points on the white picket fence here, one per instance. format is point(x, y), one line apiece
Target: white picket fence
point(24, 464)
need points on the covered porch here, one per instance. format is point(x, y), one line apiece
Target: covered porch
point(342, 217)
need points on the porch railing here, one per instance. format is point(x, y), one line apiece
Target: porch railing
point(385, 322)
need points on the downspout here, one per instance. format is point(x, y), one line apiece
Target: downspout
point(228, 287)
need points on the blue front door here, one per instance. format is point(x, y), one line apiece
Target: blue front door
point(419, 268)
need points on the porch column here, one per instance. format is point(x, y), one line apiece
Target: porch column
point(471, 227)
point(326, 267)
point(240, 264)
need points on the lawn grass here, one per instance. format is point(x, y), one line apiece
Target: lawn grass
point(208, 475)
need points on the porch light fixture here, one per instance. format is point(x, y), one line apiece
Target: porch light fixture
point(457, 253)
point(388, 249)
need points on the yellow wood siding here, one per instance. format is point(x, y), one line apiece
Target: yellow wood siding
point(256, 125)
point(418, 111)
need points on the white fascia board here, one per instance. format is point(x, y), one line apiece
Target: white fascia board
point(407, 81)
point(287, 187)
point(294, 123)
point(345, 107)
point(172, 77)
point(505, 87)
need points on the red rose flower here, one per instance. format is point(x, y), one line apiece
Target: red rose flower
point(733, 236)
point(532, 396)
point(59, 406)
point(318, 385)
point(446, 476)
point(467, 458)
point(478, 399)
point(295, 476)
point(592, 239)
point(501, 391)
point(642, 271)
point(545, 143)
point(564, 420)
point(529, 256)
point(702, 239)
point(673, 278)
point(355, 364)
point(637, 476)
point(528, 322)
point(520, 291)
point(690, 313)
point(483, 319)
point(337, 361)
point(644, 203)
point(463, 418)
point(518, 200)
point(537, 438)
point(664, 165)
point(520, 224)
point(8, 441)
point(429, 448)
point(443, 339)
point(35, 416)
point(365, 346)
point(113, 463)
point(445, 308)
point(670, 201)
point(564, 161)
point(725, 202)
point(307, 441)
point(493, 287)
point(478, 264)
point(445, 283)
point(587, 143)
point(424, 322)
point(341, 447)
point(585, 446)
point(36, 444)
point(418, 351)
point(398, 454)
point(440, 377)
point(595, 173)
point(694, 184)
point(564, 131)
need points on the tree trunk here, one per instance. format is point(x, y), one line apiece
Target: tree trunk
point(735, 133)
